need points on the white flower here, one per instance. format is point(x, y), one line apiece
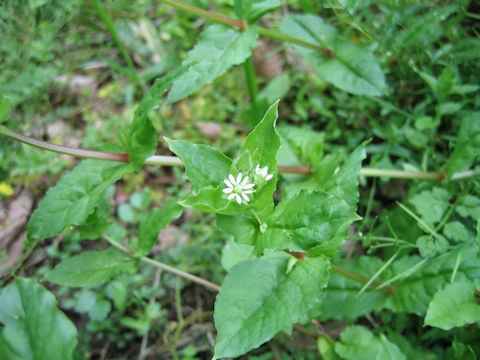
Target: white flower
point(263, 172)
point(238, 188)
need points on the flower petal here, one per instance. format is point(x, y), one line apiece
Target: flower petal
point(248, 191)
point(245, 180)
point(239, 178)
point(232, 179)
point(227, 190)
point(231, 196)
point(228, 183)
point(268, 177)
point(248, 186)
point(239, 200)
point(245, 197)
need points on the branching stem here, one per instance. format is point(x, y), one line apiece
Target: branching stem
point(175, 161)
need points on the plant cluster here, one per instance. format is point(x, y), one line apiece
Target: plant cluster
point(307, 236)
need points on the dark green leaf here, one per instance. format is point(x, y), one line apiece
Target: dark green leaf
point(358, 343)
point(260, 297)
point(454, 305)
point(91, 268)
point(311, 221)
point(34, 329)
point(352, 68)
point(155, 221)
point(218, 49)
point(205, 166)
point(341, 290)
point(142, 137)
point(413, 293)
point(74, 197)
point(4, 108)
point(467, 148)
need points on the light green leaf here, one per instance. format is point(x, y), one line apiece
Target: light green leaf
point(74, 197)
point(431, 204)
point(456, 231)
point(467, 148)
point(233, 253)
point(205, 166)
point(243, 228)
point(218, 49)
point(311, 221)
point(259, 298)
point(413, 293)
point(326, 348)
point(358, 343)
point(306, 143)
point(155, 221)
point(142, 136)
point(33, 326)
point(341, 290)
point(91, 268)
point(454, 305)
point(352, 69)
point(260, 149)
point(469, 206)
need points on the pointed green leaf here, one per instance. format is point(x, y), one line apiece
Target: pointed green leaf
point(260, 297)
point(311, 221)
point(142, 136)
point(205, 166)
point(74, 197)
point(91, 268)
point(454, 305)
point(155, 221)
point(260, 149)
point(243, 228)
point(352, 69)
point(33, 328)
point(218, 49)
point(358, 343)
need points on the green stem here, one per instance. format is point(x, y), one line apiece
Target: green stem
point(206, 14)
point(242, 25)
point(165, 267)
point(175, 161)
point(274, 34)
point(107, 20)
point(251, 81)
point(359, 278)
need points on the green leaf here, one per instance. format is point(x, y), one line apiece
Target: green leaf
point(33, 326)
point(344, 183)
point(431, 204)
point(260, 298)
point(306, 143)
point(358, 343)
point(469, 206)
point(205, 166)
point(454, 305)
point(311, 221)
point(218, 49)
point(260, 149)
point(352, 69)
point(413, 293)
point(4, 108)
point(233, 253)
point(91, 268)
point(142, 136)
point(252, 10)
point(243, 228)
point(155, 221)
point(74, 197)
point(326, 348)
point(467, 147)
point(456, 231)
point(341, 290)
